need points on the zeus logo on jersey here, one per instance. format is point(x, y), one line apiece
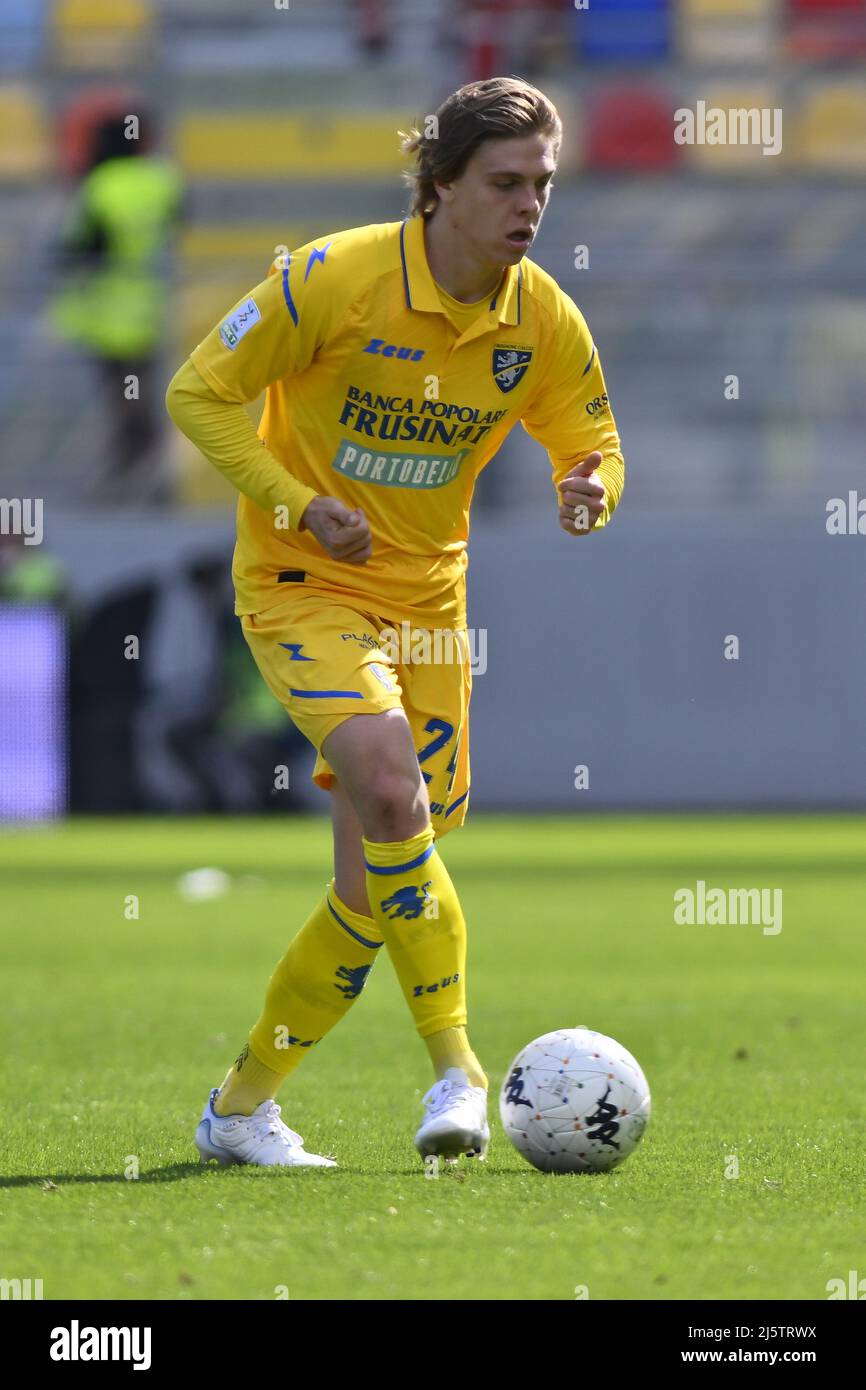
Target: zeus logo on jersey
point(509, 366)
point(239, 323)
point(403, 354)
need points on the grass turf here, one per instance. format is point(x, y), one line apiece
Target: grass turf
point(114, 1029)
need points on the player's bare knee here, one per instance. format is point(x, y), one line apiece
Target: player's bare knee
point(395, 807)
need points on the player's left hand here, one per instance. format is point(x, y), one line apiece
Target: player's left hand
point(581, 497)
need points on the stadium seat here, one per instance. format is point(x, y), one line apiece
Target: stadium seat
point(733, 31)
point(738, 159)
point(631, 127)
point(211, 244)
point(825, 30)
point(217, 262)
point(823, 7)
point(21, 26)
point(831, 130)
point(258, 145)
point(623, 30)
point(100, 35)
point(25, 141)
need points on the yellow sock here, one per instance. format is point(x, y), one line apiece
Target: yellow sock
point(247, 1084)
point(312, 988)
point(450, 1048)
point(416, 910)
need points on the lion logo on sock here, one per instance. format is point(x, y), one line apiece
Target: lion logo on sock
point(356, 977)
point(408, 902)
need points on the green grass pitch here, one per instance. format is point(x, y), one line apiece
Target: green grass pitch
point(114, 1030)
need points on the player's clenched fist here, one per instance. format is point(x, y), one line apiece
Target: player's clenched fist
point(344, 534)
point(581, 497)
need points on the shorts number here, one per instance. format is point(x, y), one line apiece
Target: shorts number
point(443, 731)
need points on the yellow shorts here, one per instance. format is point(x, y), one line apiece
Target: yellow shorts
point(325, 661)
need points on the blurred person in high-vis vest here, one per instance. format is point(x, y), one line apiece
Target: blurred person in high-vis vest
point(112, 295)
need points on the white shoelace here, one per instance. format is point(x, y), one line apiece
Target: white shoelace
point(447, 1094)
point(270, 1123)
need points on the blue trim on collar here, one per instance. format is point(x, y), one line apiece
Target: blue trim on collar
point(403, 259)
point(519, 282)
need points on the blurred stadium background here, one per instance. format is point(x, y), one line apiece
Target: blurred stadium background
point(703, 262)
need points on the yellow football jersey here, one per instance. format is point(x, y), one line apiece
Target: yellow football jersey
point(377, 397)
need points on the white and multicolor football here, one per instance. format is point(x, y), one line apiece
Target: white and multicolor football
point(574, 1101)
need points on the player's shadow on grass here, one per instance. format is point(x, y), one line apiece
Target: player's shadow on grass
point(173, 1172)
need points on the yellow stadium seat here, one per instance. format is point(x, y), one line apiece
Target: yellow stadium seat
point(734, 31)
point(101, 34)
point(256, 145)
point(209, 244)
point(25, 142)
point(200, 302)
point(727, 9)
point(746, 158)
point(830, 134)
point(219, 262)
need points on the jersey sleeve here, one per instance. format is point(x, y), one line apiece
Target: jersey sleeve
point(273, 332)
point(224, 433)
point(570, 414)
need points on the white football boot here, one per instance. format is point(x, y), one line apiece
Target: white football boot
point(260, 1138)
point(456, 1119)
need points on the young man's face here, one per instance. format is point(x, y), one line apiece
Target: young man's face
point(498, 200)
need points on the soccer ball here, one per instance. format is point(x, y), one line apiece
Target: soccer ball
point(574, 1101)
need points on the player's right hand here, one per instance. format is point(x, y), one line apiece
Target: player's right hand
point(343, 533)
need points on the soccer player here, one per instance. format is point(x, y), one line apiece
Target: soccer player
point(396, 358)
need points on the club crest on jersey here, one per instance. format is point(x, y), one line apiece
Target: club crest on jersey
point(509, 366)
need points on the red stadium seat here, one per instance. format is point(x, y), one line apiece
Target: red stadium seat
point(823, 7)
point(631, 127)
point(826, 30)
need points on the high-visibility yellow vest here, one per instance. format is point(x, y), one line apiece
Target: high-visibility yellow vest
point(117, 308)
